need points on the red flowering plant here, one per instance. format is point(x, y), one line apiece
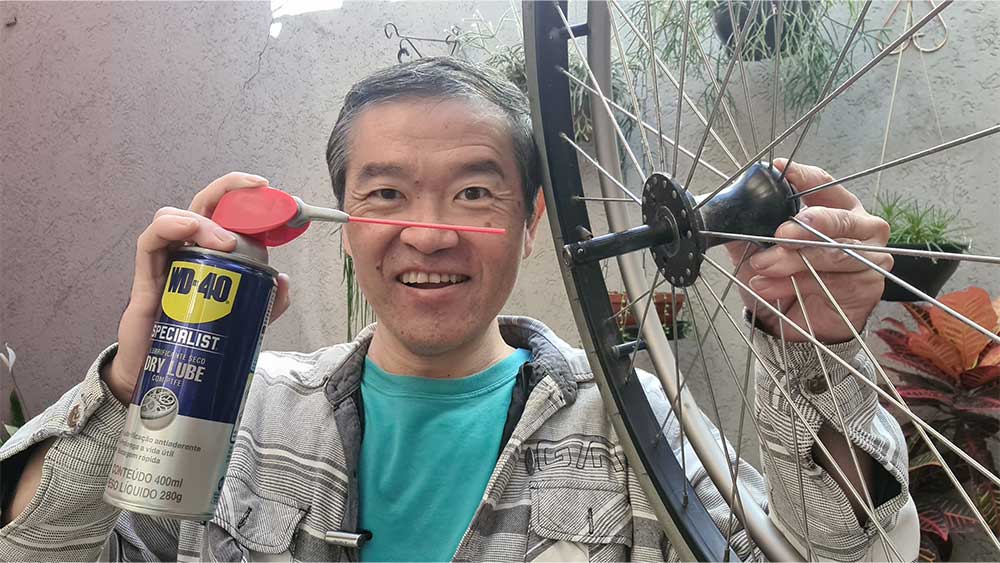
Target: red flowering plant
point(949, 374)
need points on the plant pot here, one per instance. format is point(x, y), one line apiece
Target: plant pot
point(926, 274)
point(754, 50)
point(666, 310)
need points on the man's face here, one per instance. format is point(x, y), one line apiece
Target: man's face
point(435, 161)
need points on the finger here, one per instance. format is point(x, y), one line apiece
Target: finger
point(282, 299)
point(846, 288)
point(803, 177)
point(205, 201)
point(780, 261)
point(742, 252)
point(837, 224)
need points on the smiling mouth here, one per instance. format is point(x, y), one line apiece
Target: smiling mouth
point(424, 280)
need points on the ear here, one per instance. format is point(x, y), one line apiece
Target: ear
point(346, 241)
point(532, 227)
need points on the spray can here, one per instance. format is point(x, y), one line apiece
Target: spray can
point(184, 415)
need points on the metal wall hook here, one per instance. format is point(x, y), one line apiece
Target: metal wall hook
point(407, 47)
point(915, 38)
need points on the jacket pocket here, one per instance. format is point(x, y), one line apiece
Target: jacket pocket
point(596, 516)
point(257, 522)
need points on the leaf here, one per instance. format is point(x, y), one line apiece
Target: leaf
point(929, 551)
point(991, 357)
point(996, 309)
point(973, 304)
point(958, 518)
point(932, 521)
point(8, 359)
point(924, 395)
point(982, 375)
point(988, 502)
point(938, 350)
point(979, 405)
point(16, 410)
point(895, 339)
point(923, 461)
point(11, 430)
point(922, 366)
point(920, 313)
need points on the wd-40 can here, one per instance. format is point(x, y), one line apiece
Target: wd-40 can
point(185, 411)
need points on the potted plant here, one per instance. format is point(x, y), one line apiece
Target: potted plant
point(763, 39)
point(666, 310)
point(919, 226)
point(949, 374)
point(812, 36)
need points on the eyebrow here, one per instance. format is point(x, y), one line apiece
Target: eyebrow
point(380, 169)
point(484, 166)
point(384, 169)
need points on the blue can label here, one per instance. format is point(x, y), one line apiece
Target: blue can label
point(186, 407)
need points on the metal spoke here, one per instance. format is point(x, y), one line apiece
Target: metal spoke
point(615, 199)
point(863, 247)
point(829, 82)
point(892, 387)
point(795, 409)
point(777, 77)
point(830, 97)
point(958, 316)
point(715, 107)
point(836, 404)
point(904, 409)
point(647, 152)
point(650, 46)
point(680, 86)
point(903, 160)
point(645, 313)
point(597, 165)
point(795, 439)
point(645, 125)
point(663, 67)
point(737, 503)
point(718, 91)
point(597, 86)
point(677, 373)
point(745, 403)
point(631, 304)
point(738, 56)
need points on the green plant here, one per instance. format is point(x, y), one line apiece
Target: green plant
point(486, 41)
point(911, 222)
point(16, 417)
point(950, 375)
point(811, 41)
point(359, 312)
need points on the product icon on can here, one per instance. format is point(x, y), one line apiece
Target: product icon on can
point(158, 409)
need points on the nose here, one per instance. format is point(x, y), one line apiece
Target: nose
point(428, 241)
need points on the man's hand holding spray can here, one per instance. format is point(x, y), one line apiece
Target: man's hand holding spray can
point(190, 337)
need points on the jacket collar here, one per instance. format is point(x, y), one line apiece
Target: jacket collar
point(550, 357)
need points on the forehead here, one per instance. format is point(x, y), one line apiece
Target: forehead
point(421, 131)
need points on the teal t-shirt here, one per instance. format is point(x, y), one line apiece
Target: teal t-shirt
point(429, 448)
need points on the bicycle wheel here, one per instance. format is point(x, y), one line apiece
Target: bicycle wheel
point(651, 214)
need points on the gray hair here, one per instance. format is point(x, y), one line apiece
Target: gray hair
point(440, 78)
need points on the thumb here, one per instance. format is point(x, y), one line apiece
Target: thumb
point(283, 299)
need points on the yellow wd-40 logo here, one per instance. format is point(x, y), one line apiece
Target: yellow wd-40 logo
point(198, 293)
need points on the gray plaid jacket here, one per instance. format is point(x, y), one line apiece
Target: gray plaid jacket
point(561, 490)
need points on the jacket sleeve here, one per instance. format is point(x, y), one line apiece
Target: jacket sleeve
point(787, 448)
point(834, 531)
point(67, 518)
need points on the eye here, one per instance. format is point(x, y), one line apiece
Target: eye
point(385, 194)
point(474, 193)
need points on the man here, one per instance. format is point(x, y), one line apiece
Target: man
point(439, 430)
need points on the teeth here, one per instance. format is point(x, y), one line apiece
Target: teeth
point(423, 277)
